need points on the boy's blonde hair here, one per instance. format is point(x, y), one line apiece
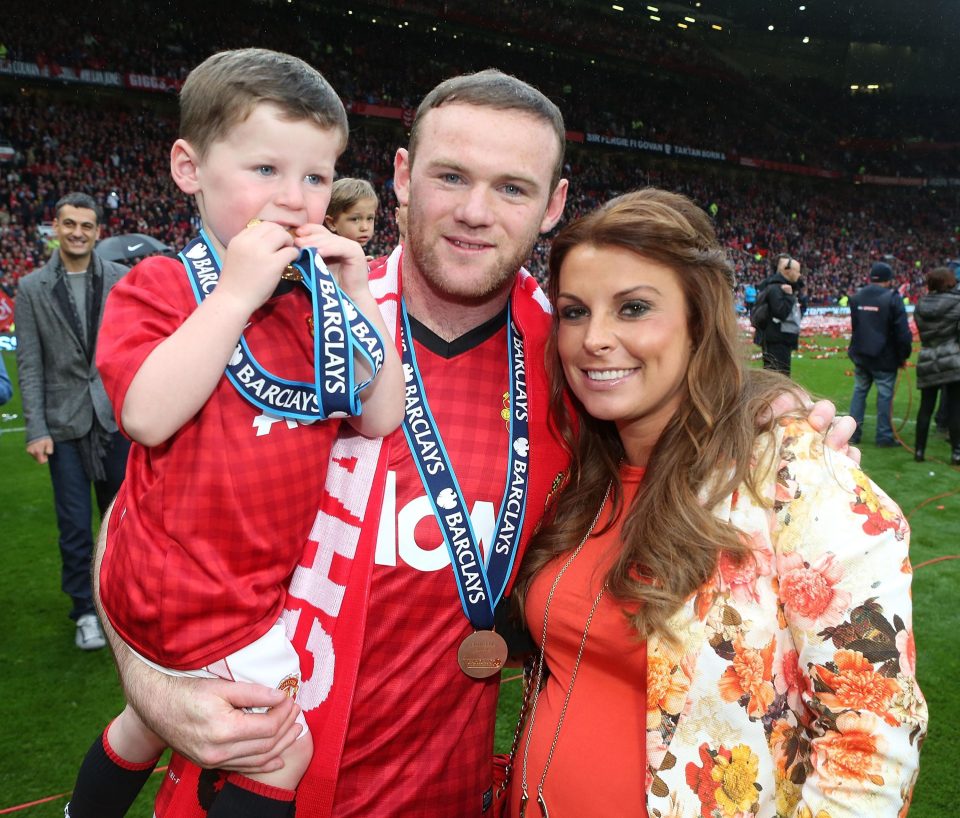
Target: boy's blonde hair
point(347, 192)
point(223, 90)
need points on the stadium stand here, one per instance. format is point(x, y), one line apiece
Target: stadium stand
point(84, 109)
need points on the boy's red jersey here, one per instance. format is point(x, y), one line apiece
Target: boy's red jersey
point(208, 525)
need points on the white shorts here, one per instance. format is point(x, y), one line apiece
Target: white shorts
point(270, 661)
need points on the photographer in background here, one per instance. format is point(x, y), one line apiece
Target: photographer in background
point(782, 334)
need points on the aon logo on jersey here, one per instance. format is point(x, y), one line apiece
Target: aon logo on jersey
point(397, 540)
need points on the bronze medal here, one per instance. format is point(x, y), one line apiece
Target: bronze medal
point(482, 654)
point(290, 273)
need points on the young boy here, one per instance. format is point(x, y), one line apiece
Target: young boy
point(225, 472)
point(352, 212)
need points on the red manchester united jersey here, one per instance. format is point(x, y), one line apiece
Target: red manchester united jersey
point(208, 525)
point(425, 750)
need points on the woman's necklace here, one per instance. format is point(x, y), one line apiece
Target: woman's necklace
point(538, 679)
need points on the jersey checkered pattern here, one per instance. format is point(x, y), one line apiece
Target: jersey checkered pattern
point(425, 750)
point(209, 525)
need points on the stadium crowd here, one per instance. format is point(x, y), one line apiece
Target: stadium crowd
point(671, 90)
point(666, 86)
point(837, 230)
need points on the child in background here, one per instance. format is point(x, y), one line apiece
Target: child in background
point(352, 211)
point(221, 486)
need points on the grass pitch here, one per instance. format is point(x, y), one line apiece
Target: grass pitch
point(56, 698)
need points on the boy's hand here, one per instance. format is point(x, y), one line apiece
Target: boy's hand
point(383, 399)
point(255, 259)
point(344, 257)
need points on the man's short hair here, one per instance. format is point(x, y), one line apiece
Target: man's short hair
point(223, 90)
point(941, 280)
point(781, 257)
point(347, 192)
point(79, 200)
point(491, 88)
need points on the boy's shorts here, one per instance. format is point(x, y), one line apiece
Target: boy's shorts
point(270, 661)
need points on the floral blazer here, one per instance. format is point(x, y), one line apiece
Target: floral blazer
point(793, 693)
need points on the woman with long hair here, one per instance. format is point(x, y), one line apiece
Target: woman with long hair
point(722, 612)
point(937, 316)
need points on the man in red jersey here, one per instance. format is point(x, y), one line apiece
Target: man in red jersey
point(376, 609)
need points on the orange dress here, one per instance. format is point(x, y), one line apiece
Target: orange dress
point(599, 764)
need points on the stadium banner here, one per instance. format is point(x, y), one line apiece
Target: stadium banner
point(406, 115)
point(943, 181)
point(834, 309)
point(919, 145)
point(898, 181)
point(18, 68)
point(89, 76)
point(371, 109)
point(787, 167)
point(150, 82)
point(654, 147)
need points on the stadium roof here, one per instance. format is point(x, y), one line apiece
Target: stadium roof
point(891, 22)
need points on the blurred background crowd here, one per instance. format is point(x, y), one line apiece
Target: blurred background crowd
point(788, 164)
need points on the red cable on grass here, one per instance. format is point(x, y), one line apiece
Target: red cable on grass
point(901, 372)
point(29, 804)
point(936, 559)
point(931, 499)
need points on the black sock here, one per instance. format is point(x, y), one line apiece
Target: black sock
point(242, 797)
point(106, 785)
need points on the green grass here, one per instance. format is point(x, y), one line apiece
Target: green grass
point(54, 698)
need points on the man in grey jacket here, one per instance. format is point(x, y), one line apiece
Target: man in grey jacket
point(70, 423)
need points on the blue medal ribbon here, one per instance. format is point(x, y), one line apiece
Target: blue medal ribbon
point(340, 334)
point(479, 584)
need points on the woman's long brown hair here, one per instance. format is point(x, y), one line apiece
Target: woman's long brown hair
point(670, 539)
